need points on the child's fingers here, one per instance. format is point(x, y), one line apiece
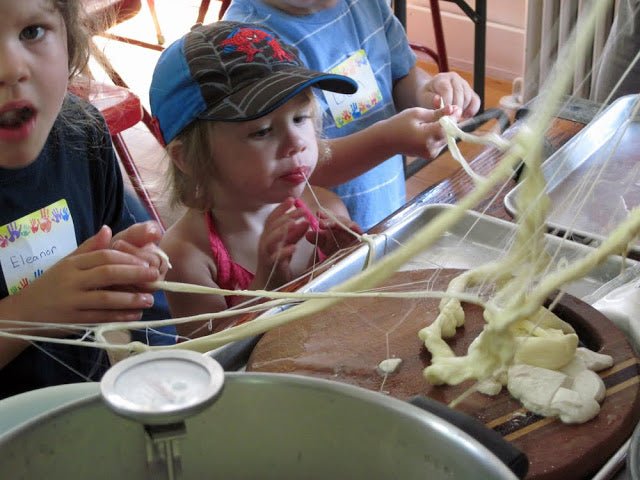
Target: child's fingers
point(108, 316)
point(353, 226)
point(165, 263)
point(105, 276)
point(296, 230)
point(141, 234)
point(95, 259)
point(286, 235)
point(150, 254)
point(281, 258)
point(284, 207)
point(322, 215)
point(99, 241)
point(315, 238)
point(115, 301)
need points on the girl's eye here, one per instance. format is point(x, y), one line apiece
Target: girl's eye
point(302, 118)
point(32, 32)
point(263, 132)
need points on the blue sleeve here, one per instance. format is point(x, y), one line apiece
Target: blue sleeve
point(240, 11)
point(403, 57)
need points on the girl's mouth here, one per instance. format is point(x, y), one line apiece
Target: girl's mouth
point(14, 119)
point(296, 176)
point(16, 124)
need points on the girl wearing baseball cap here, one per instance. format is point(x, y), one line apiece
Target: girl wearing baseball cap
point(235, 108)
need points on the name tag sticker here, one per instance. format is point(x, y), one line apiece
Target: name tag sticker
point(346, 108)
point(33, 243)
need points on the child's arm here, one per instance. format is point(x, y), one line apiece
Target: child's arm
point(413, 132)
point(419, 89)
point(191, 265)
point(84, 287)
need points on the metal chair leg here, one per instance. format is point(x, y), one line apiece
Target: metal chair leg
point(443, 63)
point(223, 8)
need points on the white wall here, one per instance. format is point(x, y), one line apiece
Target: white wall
point(505, 34)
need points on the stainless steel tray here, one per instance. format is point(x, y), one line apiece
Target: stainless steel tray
point(474, 240)
point(594, 179)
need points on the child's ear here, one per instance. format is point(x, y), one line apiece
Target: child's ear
point(176, 152)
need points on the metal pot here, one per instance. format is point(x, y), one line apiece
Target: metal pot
point(633, 455)
point(262, 426)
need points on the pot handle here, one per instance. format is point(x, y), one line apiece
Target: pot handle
point(234, 356)
point(516, 460)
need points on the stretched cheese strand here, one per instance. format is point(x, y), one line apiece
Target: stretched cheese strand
point(491, 353)
point(523, 141)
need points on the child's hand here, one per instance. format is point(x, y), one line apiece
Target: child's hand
point(331, 237)
point(141, 240)
point(416, 131)
point(453, 90)
point(85, 287)
point(284, 227)
point(141, 234)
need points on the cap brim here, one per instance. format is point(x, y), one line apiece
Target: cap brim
point(267, 94)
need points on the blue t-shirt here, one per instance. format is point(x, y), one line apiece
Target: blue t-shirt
point(77, 165)
point(333, 38)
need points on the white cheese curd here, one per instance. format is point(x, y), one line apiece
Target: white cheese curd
point(389, 365)
point(552, 351)
point(593, 360)
point(575, 366)
point(589, 385)
point(573, 407)
point(489, 387)
point(535, 387)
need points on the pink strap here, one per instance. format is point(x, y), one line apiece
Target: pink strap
point(231, 276)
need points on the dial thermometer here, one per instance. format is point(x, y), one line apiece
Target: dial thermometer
point(163, 387)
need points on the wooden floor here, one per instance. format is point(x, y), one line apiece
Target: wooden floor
point(135, 64)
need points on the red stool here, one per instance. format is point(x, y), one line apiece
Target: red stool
point(121, 110)
point(120, 107)
point(204, 6)
point(117, 11)
point(439, 56)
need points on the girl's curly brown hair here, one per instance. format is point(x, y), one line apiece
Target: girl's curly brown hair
point(79, 33)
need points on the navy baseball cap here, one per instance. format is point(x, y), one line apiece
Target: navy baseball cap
point(230, 71)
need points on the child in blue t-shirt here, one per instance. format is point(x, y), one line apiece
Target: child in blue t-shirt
point(364, 40)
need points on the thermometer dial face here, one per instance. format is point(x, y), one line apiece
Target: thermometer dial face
point(162, 387)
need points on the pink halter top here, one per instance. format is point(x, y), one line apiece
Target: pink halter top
point(233, 276)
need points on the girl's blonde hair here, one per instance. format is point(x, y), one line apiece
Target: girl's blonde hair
point(193, 189)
